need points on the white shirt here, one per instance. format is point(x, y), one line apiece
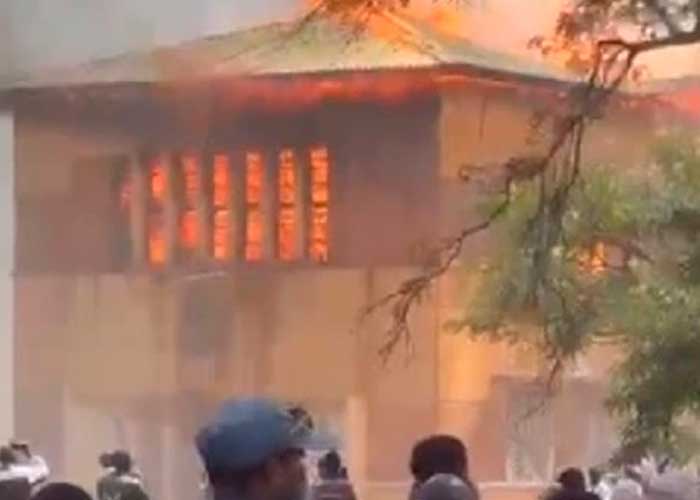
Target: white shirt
point(9, 473)
point(626, 489)
point(35, 469)
point(603, 490)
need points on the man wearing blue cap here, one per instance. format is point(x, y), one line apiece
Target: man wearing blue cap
point(254, 449)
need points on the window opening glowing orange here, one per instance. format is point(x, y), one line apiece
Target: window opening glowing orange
point(156, 239)
point(189, 221)
point(158, 182)
point(286, 223)
point(319, 230)
point(191, 175)
point(157, 251)
point(189, 230)
point(254, 216)
point(221, 200)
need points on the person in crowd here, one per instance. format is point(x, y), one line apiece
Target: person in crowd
point(572, 486)
point(31, 466)
point(440, 468)
point(105, 461)
point(13, 486)
point(599, 485)
point(61, 491)
point(120, 482)
point(628, 487)
point(334, 483)
point(254, 449)
point(665, 481)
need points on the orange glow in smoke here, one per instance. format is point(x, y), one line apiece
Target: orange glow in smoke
point(447, 19)
point(318, 237)
point(286, 224)
point(254, 217)
point(221, 234)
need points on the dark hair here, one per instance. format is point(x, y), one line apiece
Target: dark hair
point(6, 456)
point(121, 461)
point(21, 446)
point(439, 454)
point(331, 464)
point(105, 460)
point(572, 479)
point(61, 491)
point(595, 476)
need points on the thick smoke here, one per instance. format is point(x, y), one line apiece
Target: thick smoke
point(40, 33)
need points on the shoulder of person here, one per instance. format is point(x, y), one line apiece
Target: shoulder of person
point(12, 474)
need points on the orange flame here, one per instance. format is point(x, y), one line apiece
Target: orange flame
point(286, 224)
point(254, 218)
point(221, 234)
point(319, 232)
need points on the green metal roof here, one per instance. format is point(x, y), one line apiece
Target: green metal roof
point(314, 45)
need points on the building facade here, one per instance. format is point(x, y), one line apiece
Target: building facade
point(185, 232)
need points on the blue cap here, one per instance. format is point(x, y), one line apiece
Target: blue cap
point(247, 432)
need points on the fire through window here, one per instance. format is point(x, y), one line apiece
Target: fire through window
point(318, 234)
point(221, 201)
point(189, 219)
point(157, 251)
point(196, 208)
point(286, 224)
point(254, 235)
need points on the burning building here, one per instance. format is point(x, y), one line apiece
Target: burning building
point(205, 221)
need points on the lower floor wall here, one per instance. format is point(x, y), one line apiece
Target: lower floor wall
point(131, 362)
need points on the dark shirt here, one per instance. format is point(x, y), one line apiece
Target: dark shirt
point(16, 488)
point(120, 487)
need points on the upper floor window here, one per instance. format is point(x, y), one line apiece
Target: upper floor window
point(254, 222)
point(252, 207)
point(222, 215)
point(318, 245)
point(288, 206)
point(157, 244)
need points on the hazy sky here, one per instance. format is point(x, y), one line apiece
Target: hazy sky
point(56, 32)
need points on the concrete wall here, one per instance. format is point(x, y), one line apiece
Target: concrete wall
point(7, 262)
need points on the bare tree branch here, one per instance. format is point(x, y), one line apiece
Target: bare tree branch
point(613, 60)
point(411, 291)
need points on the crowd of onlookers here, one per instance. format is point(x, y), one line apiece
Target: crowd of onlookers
point(254, 449)
point(24, 476)
point(21, 471)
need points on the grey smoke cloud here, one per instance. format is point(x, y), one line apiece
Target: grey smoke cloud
point(37, 33)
